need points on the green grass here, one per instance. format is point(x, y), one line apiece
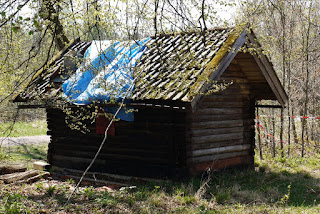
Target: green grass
point(23, 154)
point(271, 188)
point(276, 185)
point(37, 127)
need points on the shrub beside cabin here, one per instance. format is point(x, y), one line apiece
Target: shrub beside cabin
point(194, 96)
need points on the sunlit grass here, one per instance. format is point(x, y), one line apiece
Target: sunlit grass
point(36, 127)
point(25, 154)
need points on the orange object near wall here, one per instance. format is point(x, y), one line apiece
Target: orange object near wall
point(102, 123)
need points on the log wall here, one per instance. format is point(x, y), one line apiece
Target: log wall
point(220, 133)
point(153, 145)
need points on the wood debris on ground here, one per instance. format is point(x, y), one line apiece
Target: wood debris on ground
point(20, 174)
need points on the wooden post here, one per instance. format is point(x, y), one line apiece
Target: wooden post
point(259, 138)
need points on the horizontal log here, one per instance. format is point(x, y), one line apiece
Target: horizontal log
point(206, 132)
point(233, 91)
point(33, 178)
point(220, 137)
point(90, 151)
point(220, 150)
point(234, 70)
point(103, 158)
point(216, 144)
point(251, 69)
point(6, 169)
point(133, 140)
point(113, 145)
point(74, 161)
point(256, 78)
point(235, 104)
point(217, 157)
point(226, 98)
point(233, 67)
point(221, 124)
point(214, 117)
point(13, 177)
point(220, 111)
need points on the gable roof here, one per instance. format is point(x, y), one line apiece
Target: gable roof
point(174, 68)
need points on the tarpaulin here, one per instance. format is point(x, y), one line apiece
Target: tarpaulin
point(105, 75)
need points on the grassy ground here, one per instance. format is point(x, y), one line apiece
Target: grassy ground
point(23, 154)
point(277, 185)
point(37, 127)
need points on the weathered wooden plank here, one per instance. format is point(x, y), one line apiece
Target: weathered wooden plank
point(221, 111)
point(224, 104)
point(233, 91)
point(13, 177)
point(85, 151)
point(213, 117)
point(105, 157)
point(117, 141)
point(205, 132)
point(216, 144)
point(225, 98)
point(232, 73)
point(220, 124)
point(232, 67)
point(220, 150)
point(219, 137)
point(6, 169)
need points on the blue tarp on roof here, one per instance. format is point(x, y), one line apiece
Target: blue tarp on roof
point(105, 75)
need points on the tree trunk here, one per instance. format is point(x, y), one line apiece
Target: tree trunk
point(48, 12)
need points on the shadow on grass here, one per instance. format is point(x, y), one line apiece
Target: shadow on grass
point(250, 186)
point(231, 187)
point(29, 152)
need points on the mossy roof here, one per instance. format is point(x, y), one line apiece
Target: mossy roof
point(174, 67)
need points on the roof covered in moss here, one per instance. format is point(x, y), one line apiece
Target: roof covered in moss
point(174, 67)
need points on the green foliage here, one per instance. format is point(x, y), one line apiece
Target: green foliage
point(50, 191)
point(89, 193)
point(14, 203)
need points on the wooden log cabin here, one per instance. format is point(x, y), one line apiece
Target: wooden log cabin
point(194, 107)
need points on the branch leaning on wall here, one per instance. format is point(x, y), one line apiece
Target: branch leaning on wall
point(103, 141)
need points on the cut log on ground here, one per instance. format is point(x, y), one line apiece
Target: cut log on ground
point(19, 176)
point(6, 169)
